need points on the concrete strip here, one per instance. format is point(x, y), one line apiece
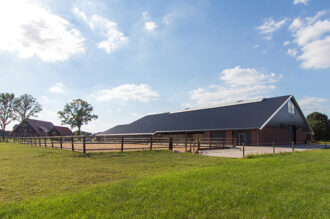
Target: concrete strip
point(238, 151)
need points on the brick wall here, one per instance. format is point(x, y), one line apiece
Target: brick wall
point(229, 134)
point(254, 139)
point(301, 137)
point(280, 136)
point(269, 135)
point(207, 134)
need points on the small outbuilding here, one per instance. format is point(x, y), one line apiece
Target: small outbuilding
point(252, 122)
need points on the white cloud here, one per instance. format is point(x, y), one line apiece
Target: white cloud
point(134, 114)
point(150, 26)
point(300, 2)
point(292, 52)
point(286, 43)
point(312, 104)
point(145, 15)
point(49, 115)
point(256, 46)
point(98, 125)
point(57, 88)
point(45, 99)
point(167, 19)
point(312, 35)
point(29, 30)
point(141, 92)
point(238, 83)
point(270, 25)
point(114, 38)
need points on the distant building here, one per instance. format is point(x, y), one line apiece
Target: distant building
point(83, 133)
point(255, 122)
point(36, 128)
point(60, 131)
point(7, 133)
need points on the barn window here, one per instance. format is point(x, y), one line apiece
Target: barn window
point(290, 107)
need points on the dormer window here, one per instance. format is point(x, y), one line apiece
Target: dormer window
point(291, 108)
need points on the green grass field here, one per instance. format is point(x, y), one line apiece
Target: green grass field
point(49, 183)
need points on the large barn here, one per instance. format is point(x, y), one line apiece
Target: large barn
point(253, 122)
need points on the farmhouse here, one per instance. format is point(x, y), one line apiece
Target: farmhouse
point(60, 131)
point(36, 128)
point(253, 122)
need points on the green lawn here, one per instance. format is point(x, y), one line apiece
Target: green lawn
point(163, 184)
point(29, 172)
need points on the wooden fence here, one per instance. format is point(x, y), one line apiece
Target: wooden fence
point(87, 144)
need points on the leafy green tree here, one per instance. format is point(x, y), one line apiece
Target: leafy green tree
point(77, 113)
point(7, 106)
point(26, 106)
point(320, 125)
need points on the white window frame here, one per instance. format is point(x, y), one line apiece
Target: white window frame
point(291, 109)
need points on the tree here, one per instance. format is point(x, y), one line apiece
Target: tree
point(77, 113)
point(26, 106)
point(320, 125)
point(7, 115)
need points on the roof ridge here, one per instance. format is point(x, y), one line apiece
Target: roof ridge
point(232, 103)
point(238, 102)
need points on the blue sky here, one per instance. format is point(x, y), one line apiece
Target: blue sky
point(132, 58)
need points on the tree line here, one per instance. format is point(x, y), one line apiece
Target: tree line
point(75, 113)
point(320, 124)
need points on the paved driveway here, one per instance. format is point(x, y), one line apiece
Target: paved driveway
point(238, 151)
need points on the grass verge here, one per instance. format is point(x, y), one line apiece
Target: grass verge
point(286, 185)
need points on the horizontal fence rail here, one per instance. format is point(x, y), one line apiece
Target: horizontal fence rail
point(104, 143)
point(87, 144)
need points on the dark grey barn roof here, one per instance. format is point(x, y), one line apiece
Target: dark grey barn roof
point(238, 116)
point(41, 127)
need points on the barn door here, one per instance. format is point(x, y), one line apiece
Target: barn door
point(292, 133)
point(241, 138)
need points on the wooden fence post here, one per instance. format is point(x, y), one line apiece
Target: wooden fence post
point(210, 143)
point(185, 143)
point(39, 142)
point(243, 150)
point(45, 142)
point(273, 147)
point(51, 140)
point(293, 146)
point(198, 144)
point(84, 144)
point(170, 144)
point(72, 144)
point(151, 142)
point(61, 144)
point(122, 144)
